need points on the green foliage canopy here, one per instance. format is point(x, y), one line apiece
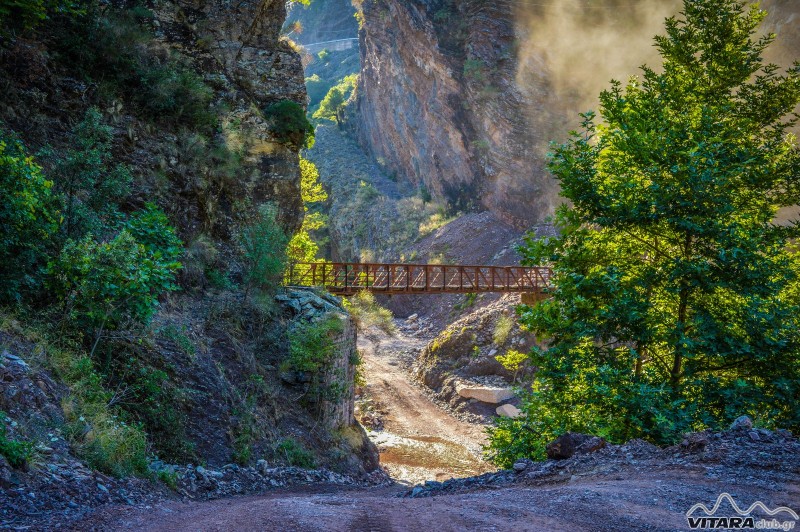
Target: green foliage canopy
point(263, 245)
point(333, 104)
point(302, 247)
point(674, 304)
point(28, 218)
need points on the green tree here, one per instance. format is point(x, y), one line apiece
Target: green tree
point(28, 220)
point(302, 247)
point(91, 186)
point(108, 285)
point(674, 303)
point(333, 104)
point(263, 245)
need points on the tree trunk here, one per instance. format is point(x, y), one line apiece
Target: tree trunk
point(680, 326)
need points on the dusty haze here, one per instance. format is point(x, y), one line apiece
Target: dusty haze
point(582, 45)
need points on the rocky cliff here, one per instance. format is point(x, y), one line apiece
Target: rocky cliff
point(464, 97)
point(444, 109)
point(243, 66)
point(184, 94)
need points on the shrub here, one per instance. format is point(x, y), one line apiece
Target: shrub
point(513, 361)
point(17, 452)
point(107, 284)
point(28, 218)
point(151, 228)
point(295, 454)
point(367, 313)
point(111, 47)
point(91, 187)
point(26, 14)
point(93, 427)
point(502, 329)
point(311, 351)
point(289, 124)
point(263, 246)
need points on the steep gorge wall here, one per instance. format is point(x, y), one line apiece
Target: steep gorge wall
point(219, 349)
point(464, 97)
point(439, 102)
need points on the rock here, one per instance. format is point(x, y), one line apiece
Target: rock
point(508, 411)
point(417, 491)
point(742, 423)
point(486, 395)
point(754, 435)
point(573, 443)
point(412, 318)
point(695, 442)
point(520, 465)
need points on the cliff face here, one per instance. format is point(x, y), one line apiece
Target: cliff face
point(238, 47)
point(184, 91)
point(464, 97)
point(444, 109)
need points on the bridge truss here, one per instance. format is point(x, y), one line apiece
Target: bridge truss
point(349, 278)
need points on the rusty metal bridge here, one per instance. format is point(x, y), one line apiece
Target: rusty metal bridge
point(349, 278)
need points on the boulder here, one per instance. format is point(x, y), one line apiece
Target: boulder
point(572, 444)
point(742, 423)
point(486, 395)
point(508, 411)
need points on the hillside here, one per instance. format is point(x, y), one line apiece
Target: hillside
point(140, 330)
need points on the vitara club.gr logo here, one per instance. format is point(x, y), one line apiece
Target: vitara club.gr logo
point(700, 517)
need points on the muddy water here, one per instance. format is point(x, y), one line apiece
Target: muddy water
point(419, 441)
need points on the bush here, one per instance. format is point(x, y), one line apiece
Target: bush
point(26, 14)
point(109, 284)
point(17, 452)
point(289, 124)
point(93, 427)
point(263, 246)
point(28, 218)
point(311, 351)
point(112, 48)
point(295, 454)
point(502, 329)
point(367, 313)
point(91, 187)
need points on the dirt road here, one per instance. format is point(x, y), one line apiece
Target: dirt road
point(419, 440)
point(635, 498)
point(620, 488)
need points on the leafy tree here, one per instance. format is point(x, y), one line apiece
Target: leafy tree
point(289, 123)
point(263, 245)
point(302, 247)
point(28, 220)
point(674, 303)
point(91, 186)
point(106, 285)
point(333, 104)
point(25, 14)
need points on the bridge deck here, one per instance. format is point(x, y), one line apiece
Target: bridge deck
point(349, 278)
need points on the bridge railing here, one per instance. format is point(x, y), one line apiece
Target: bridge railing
point(349, 278)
